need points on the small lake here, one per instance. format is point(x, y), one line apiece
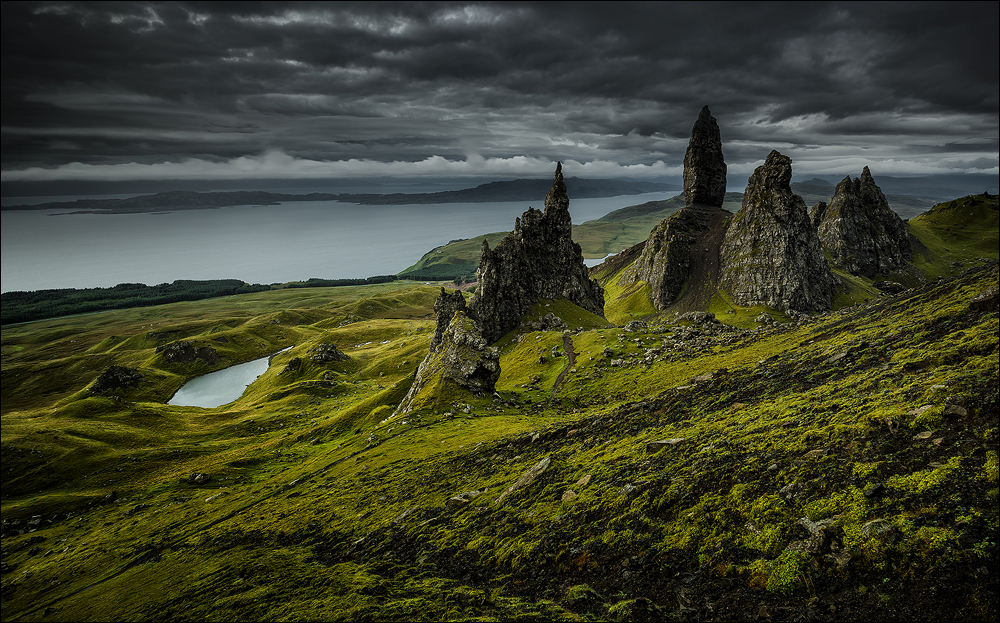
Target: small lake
point(220, 387)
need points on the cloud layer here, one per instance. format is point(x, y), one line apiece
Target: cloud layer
point(293, 90)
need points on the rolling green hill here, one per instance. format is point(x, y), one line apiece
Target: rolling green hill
point(834, 468)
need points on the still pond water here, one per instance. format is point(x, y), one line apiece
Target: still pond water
point(220, 387)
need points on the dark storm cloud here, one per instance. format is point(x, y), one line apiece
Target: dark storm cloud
point(491, 88)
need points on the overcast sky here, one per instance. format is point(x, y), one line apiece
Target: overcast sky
point(186, 90)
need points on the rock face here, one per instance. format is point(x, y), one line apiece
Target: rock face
point(326, 353)
point(665, 263)
point(186, 352)
point(771, 254)
point(117, 377)
point(461, 357)
point(445, 307)
point(860, 231)
point(538, 260)
point(704, 164)
point(666, 259)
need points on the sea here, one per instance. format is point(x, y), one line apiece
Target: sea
point(293, 241)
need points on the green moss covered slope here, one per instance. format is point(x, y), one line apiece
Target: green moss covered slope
point(833, 468)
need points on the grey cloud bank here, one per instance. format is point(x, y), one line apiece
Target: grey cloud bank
point(159, 91)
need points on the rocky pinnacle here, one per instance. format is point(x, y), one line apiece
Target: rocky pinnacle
point(666, 260)
point(861, 232)
point(771, 254)
point(704, 164)
point(538, 260)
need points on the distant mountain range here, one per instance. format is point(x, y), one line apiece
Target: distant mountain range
point(513, 190)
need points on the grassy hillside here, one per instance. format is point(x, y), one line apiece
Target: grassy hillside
point(946, 240)
point(839, 468)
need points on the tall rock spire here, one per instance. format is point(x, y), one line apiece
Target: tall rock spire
point(771, 254)
point(538, 260)
point(861, 232)
point(669, 253)
point(704, 164)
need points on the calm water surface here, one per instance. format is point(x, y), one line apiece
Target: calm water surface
point(220, 387)
point(258, 244)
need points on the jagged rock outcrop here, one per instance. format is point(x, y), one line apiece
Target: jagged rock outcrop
point(186, 352)
point(704, 164)
point(445, 307)
point(327, 353)
point(117, 378)
point(771, 254)
point(538, 260)
point(817, 212)
point(860, 231)
point(462, 356)
point(668, 255)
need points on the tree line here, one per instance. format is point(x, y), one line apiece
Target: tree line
point(22, 306)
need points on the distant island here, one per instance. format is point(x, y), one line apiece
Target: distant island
point(513, 190)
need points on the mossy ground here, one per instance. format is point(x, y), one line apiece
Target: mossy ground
point(316, 510)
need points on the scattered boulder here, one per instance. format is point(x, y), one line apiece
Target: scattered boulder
point(861, 232)
point(825, 540)
point(548, 322)
point(293, 364)
point(326, 353)
point(186, 352)
point(460, 500)
point(199, 478)
point(791, 491)
point(527, 478)
point(986, 301)
point(889, 287)
point(697, 317)
point(117, 378)
point(655, 446)
point(771, 254)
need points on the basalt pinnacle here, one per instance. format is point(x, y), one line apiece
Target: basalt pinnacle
point(861, 232)
point(704, 164)
point(668, 257)
point(538, 260)
point(771, 254)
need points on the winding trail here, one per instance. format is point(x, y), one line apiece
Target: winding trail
point(571, 357)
